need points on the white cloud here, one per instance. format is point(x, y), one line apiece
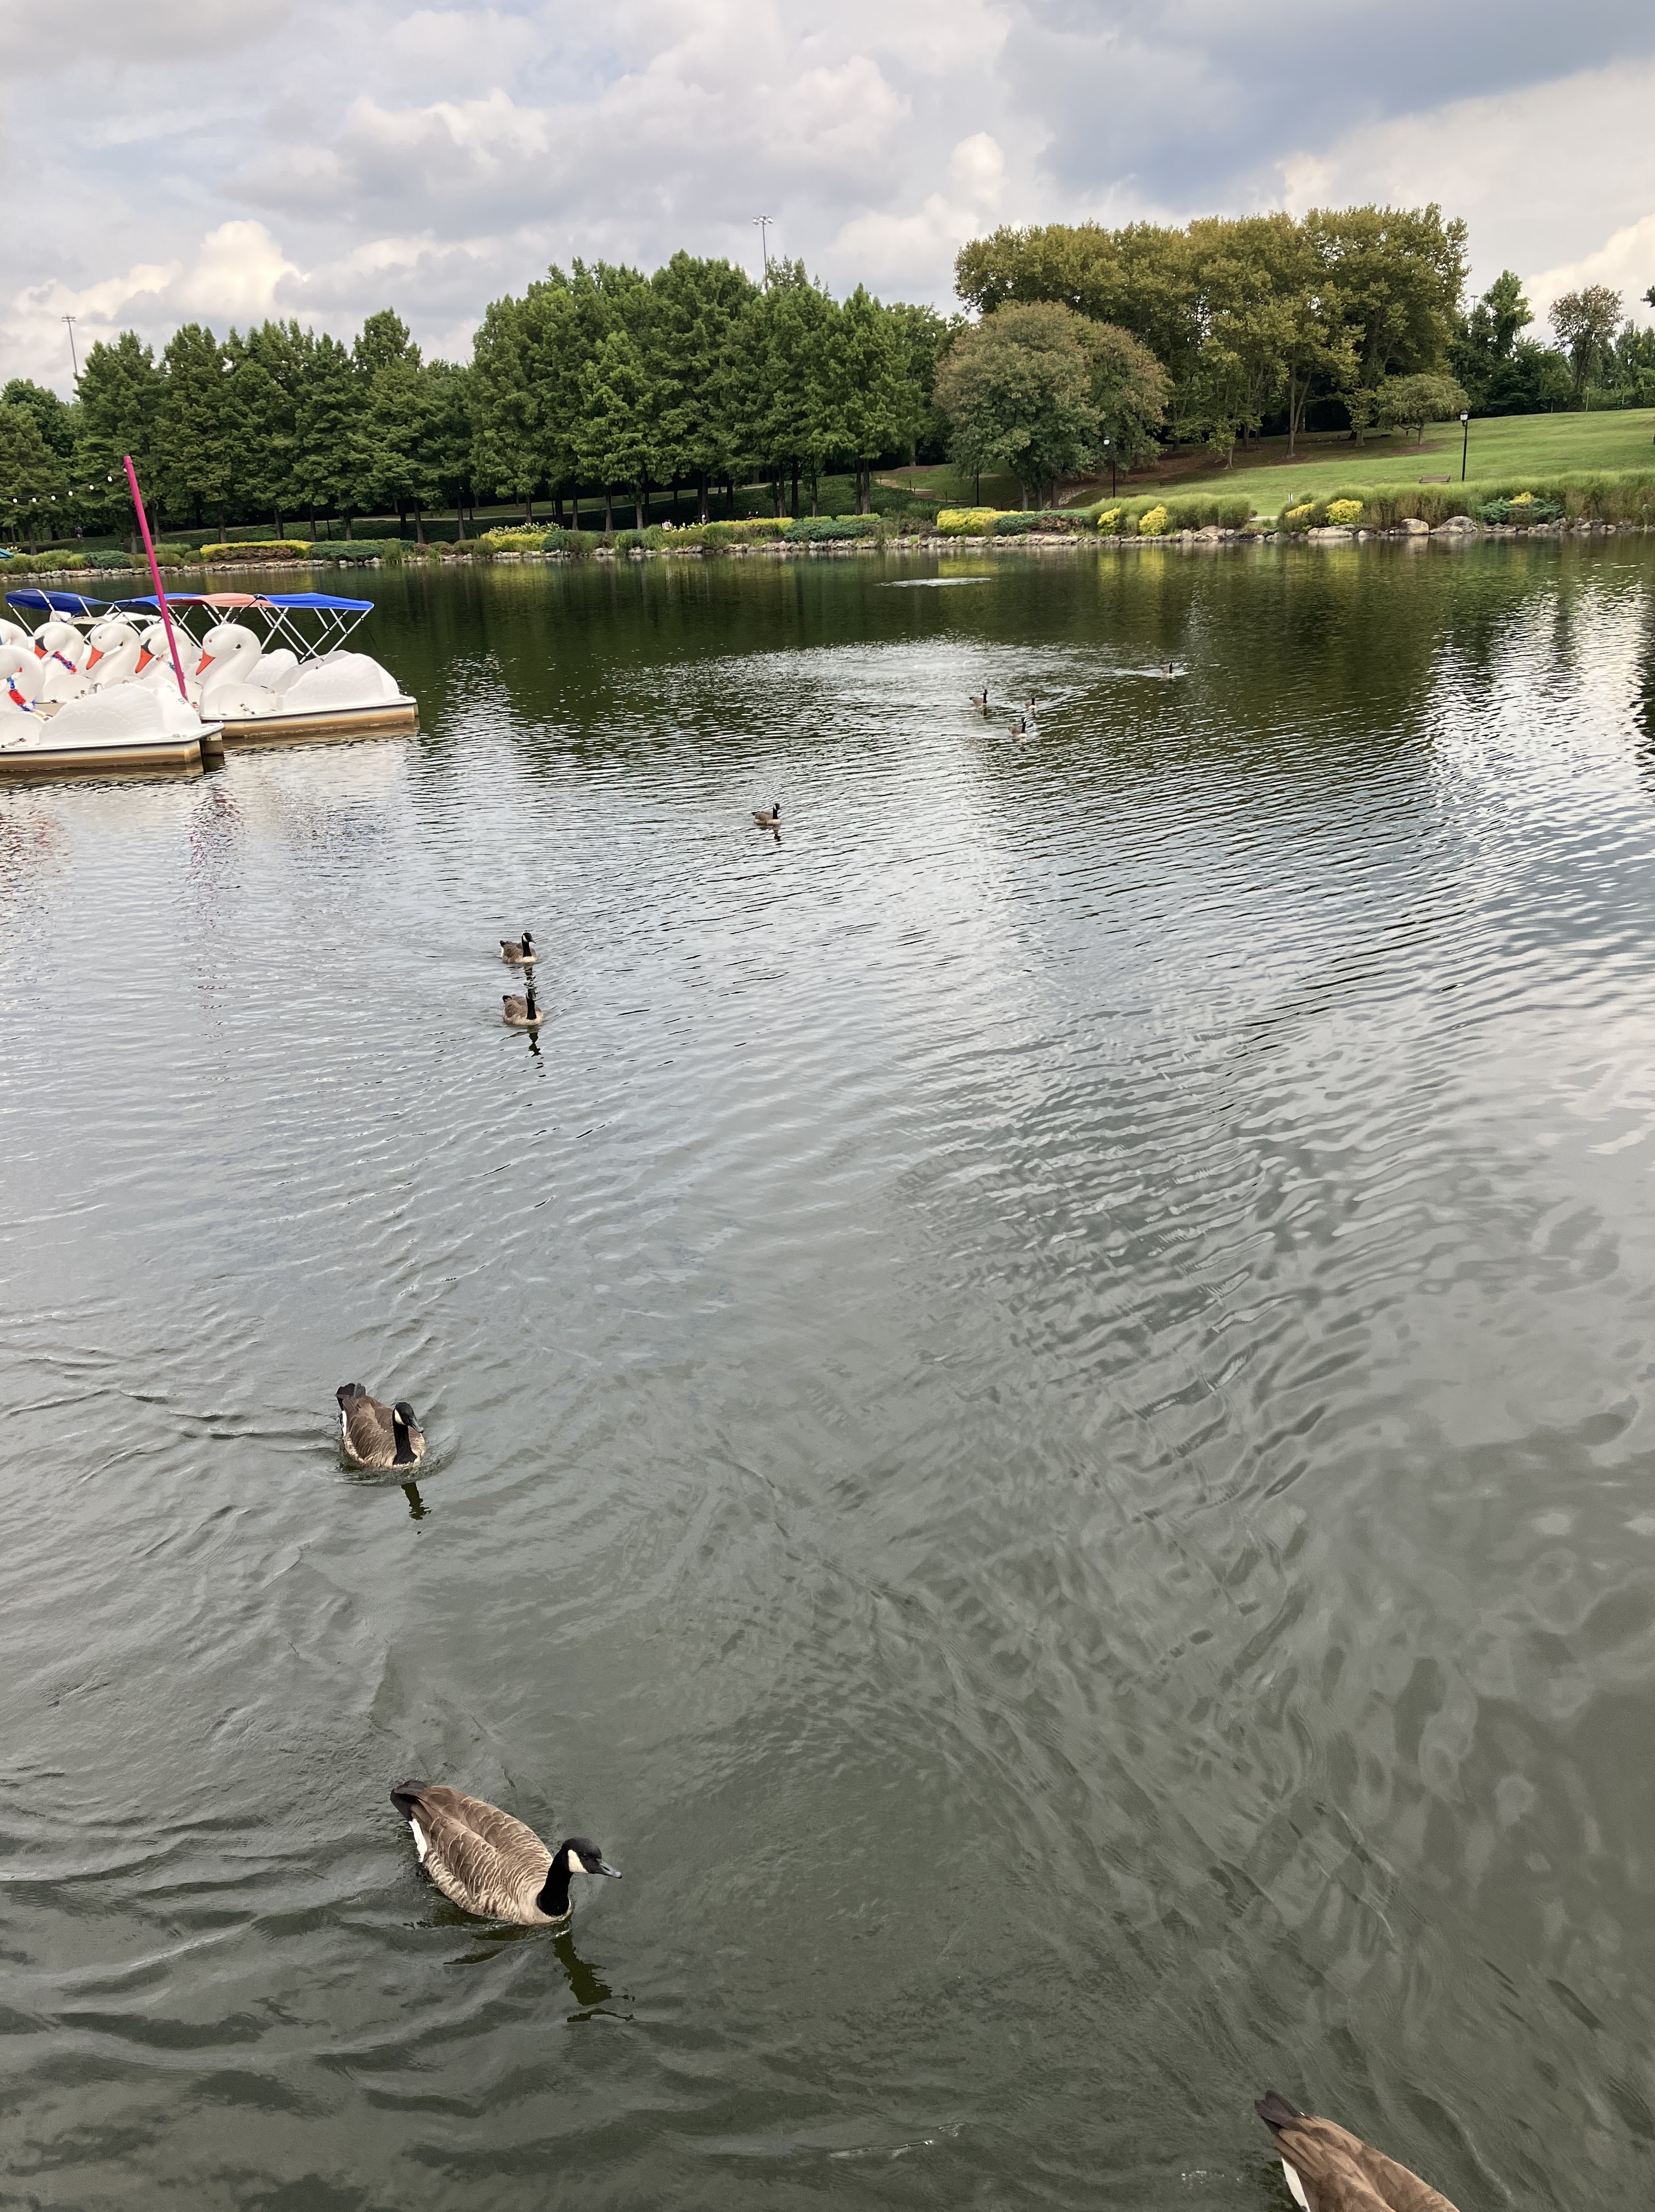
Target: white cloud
point(223, 162)
point(1627, 262)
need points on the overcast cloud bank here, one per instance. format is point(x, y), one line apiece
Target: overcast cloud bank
point(198, 159)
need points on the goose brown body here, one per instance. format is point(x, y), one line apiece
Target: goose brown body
point(518, 952)
point(521, 1013)
point(768, 817)
point(375, 1435)
point(487, 1863)
point(1336, 2170)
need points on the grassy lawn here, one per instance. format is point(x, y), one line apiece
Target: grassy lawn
point(1501, 446)
point(945, 484)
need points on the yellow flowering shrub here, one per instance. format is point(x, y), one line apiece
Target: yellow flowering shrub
point(1110, 519)
point(1521, 499)
point(1344, 511)
point(1152, 524)
point(967, 521)
point(1298, 518)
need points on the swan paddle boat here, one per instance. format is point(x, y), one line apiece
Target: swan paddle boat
point(274, 669)
point(56, 716)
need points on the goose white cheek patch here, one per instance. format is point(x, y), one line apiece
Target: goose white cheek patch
point(574, 1863)
point(419, 1845)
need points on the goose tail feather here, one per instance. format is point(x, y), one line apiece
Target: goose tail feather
point(405, 1796)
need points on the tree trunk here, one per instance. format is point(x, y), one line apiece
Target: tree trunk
point(349, 519)
point(815, 490)
point(312, 525)
point(729, 488)
point(460, 522)
point(609, 512)
point(419, 523)
point(702, 511)
point(795, 487)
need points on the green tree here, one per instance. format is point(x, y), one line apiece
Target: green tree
point(617, 420)
point(506, 442)
point(119, 401)
point(1585, 323)
point(56, 421)
point(1017, 389)
point(325, 429)
point(34, 488)
point(391, 469)
point(1408, 403)
point(698, 306)
point(193, 462)
point(1486, 338)
point(448, 433)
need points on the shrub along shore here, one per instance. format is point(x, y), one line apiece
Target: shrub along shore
point(1535, 507)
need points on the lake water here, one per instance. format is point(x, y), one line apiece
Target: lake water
point(1042, 1399)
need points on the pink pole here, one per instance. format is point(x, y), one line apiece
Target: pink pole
point(155, 572)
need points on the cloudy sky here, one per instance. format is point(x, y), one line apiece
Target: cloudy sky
point(163, 160)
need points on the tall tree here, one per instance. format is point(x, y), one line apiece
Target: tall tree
point(327, 407)
point(119, 401)
point(1017, 389)
point(193, 454)
point(1585, 323)
point(698, 306)
point(617, 420)
point(33, 489)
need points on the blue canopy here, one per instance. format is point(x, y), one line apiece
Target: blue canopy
point(323, 599)
point(57, 603)
point(323, 602)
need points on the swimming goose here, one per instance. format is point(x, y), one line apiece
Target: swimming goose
point(981, 698)
point(488, 1863)
point(373, 1435)
point(521, 1013)
point(1331, 2170)
point(770, 819)
point(520, 954)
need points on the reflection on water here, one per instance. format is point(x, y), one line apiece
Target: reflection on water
point(1038, 1413)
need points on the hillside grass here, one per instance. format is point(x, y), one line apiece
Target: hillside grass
point(1501, 446)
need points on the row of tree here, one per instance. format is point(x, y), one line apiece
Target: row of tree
point(602, 381)
point(1089, 344)
point(1345, 316)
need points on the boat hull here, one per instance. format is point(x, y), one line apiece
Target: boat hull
point(387, 718)
point(151, 756)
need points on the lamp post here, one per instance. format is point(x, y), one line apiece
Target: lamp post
point(762, 224)
point(73, 358)
point(1109, 447)
point(1465, 439)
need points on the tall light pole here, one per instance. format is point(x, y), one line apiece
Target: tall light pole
point(74, 361)
point(762, 223)
point(1465, 440)
point(1109, 447)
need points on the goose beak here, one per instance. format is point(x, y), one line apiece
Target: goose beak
point(604, 1867)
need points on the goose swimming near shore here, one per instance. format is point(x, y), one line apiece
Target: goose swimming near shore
point(518, 952)
point(981, 698)
point(521, 1013)
point(375, 1435)
point(486, 1863)
point(768, 818)
point(1331, 2170)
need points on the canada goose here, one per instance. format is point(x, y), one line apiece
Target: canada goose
point(373, 1435)
point(488, 1863)
point(770, 819)
point(520, 954)
point(1331, 2170)
point(981, 698)
point(521, 1013)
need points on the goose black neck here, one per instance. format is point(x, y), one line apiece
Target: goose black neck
point(404, 1454)
point(553, 1899)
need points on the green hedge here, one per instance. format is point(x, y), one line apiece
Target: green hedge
point(1119, 518)
point(1622, 496)
point(824, 529)
point(364, 548)
point(261, 550)
point(1046, 522)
